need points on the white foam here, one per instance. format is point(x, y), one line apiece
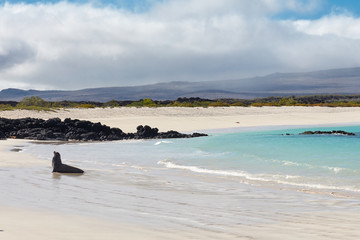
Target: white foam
point(336, 170)
point(279, 179)
point(163, 141)
point(169, 164)
point(289, 163)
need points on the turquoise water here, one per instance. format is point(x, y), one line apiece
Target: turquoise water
point(328, 162)
point(315, 161)
point(213, 183)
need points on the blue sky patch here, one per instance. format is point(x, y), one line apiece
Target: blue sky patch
point(327, 7)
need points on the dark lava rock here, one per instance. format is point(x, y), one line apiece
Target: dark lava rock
point(75, 129)
point(334, 132)
point(146, 132)
point(2, 136)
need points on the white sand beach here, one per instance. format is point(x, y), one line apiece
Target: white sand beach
point(191, 119)
point(33, 223)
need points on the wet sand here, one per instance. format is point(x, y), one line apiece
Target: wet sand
point(16, 223)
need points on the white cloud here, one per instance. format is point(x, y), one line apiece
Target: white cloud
point(70, 46)
point(342, 26)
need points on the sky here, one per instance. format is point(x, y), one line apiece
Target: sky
point(79, 44)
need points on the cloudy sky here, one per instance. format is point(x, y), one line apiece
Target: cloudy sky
point(80, 44)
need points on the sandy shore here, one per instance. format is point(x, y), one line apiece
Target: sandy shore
point(17, 223)
point(23, 223)
point(191, 119)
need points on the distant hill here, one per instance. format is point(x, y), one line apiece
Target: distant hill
point(333, 81)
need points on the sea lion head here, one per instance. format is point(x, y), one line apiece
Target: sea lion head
point(56, 154)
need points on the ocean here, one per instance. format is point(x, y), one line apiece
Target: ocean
point(214, 183)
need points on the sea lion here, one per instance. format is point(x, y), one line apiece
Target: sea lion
point(59, 167)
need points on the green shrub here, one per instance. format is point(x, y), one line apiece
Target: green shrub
point(4, 107)
point(111, 104)
point(86, 106)
point(219, 104)
point(57, 105)
point(239, 104)
point(33, 102)
point(146, 102)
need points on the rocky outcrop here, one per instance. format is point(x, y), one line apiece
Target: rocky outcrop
point(74, 129)
point(333, 132)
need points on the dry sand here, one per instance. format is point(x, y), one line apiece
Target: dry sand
point(17, 223)
point(191, 119)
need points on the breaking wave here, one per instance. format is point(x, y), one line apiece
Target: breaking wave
point(296, 181)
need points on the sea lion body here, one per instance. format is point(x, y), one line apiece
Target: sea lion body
point(59, 167)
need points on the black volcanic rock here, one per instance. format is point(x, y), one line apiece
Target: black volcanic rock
point(146, 132)
point(2, 136)
point(74, 129)
point(198, 135)
point(333, 132)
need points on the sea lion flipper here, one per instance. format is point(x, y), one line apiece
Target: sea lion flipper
point(69, 169)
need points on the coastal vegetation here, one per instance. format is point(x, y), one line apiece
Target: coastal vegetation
point(37, 103)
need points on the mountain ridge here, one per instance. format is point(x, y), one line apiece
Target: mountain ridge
point(331, 81)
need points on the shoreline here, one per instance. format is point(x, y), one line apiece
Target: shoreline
point(18, 222)
point(278, 127)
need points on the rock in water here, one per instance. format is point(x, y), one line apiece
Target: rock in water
point(333, 132)
point(59, 167)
